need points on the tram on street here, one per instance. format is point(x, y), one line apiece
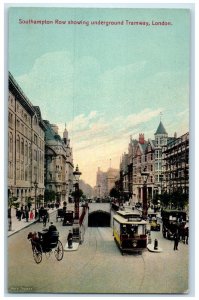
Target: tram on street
point(129, 231)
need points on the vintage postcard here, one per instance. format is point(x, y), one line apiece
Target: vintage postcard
point(98, 150)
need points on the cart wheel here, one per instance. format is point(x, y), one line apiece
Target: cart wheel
point(59, 251)
point(37, 253)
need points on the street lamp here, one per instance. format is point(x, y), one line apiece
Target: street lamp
point(77, 175)
point(35, 186)
point(145, 176)
point(76, 231)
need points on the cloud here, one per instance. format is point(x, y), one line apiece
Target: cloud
point(95, 139)
point(103, 107)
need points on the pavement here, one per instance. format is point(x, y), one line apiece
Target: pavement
point(19, 225)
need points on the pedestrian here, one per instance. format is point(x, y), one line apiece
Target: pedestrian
point(31, 215)
point(44, 220)
point(176, 240)
point(27, 215)
point(52, 227)
point(19, 215)
point(70, 239)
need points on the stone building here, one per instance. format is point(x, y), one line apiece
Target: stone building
point(105, 181)
point(164, 158)
point(58, 163)
point(26, 146)
point(176, 165)
point(100, 190)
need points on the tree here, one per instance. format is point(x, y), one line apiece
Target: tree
point(28, 201)
point(165, 200)
point(114, 193)
point(49, 196)
point(78, 193)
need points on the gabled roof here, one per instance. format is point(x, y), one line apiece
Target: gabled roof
point(140, 148)
point(151, 143)
point(161, 129)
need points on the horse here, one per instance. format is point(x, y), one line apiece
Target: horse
point(33, 237)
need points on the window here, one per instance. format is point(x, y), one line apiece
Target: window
point(10, 118)
point(35, 155)
point(10, 145)
point(35, 139)
point(22, 128)
point(18, 124)
point(22, 146)
point(18, 144)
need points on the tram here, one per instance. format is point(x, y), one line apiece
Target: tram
point(129, 231)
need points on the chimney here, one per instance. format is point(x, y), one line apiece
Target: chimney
point(141, 138)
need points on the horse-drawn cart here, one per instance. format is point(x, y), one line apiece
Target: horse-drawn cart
point(47, 244)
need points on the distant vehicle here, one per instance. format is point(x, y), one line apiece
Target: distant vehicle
point(43, 212)
point(68, 218)
point(154, 225)
point(172, 220)
point(129, 231)
point(60, 214)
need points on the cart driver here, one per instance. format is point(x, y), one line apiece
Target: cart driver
point(46, 234)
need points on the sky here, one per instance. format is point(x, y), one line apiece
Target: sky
point(105, 82)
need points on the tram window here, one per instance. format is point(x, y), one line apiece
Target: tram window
point(134, 229)
point(124, 230)
point(140, 230)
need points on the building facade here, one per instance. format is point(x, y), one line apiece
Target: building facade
point(165, 159)
point(176, 165)
point(58, 163)
point(26, 146)
point(105, 181)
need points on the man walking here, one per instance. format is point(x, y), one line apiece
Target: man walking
point(176, 240)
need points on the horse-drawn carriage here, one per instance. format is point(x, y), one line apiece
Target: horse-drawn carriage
point(66, 216)
point(60, 214)
point(47, 243)
point(43, 213)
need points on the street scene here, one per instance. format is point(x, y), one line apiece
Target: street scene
point(98, 151)
point(97, 266)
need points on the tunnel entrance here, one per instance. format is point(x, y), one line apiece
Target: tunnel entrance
point(99, 219)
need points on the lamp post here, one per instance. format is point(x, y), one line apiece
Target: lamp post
point(76, 174)
point(35, 186)
point(145, 176)
point(76, 231)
